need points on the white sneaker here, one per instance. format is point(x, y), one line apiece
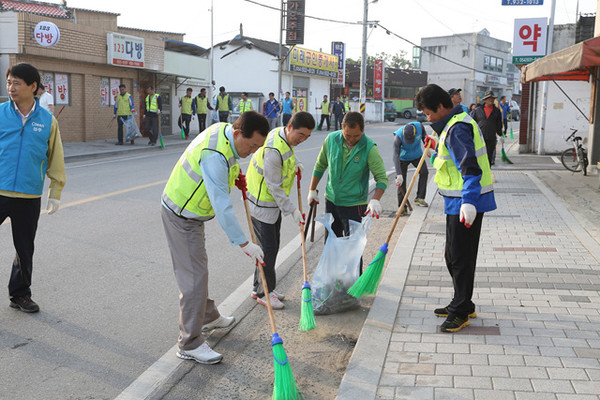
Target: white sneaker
point(275, 303)
point(202, 354)
point(221, 322)
point(279, 295)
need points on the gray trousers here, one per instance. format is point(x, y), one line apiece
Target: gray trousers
point(190, 264)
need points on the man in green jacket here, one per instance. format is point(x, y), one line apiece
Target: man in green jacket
point(350, 156)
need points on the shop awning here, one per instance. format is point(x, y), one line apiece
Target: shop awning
point(570, 64)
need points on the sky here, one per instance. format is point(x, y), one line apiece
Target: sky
point(410, 19)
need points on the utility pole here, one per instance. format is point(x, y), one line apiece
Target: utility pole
point(279, 59)
point(363, 61)
point(545, 85)
point(212, 65)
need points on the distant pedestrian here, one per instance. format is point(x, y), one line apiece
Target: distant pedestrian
point(288, 109)
point(224, 105)
point(505, 112)
point(185, 104)
point(472, 108)
point(245, 103)
point(338, 113)
point(457, 98)
point(200, 107)
point(153, 110)
point(46, 99)
point(272, 110)
point(324, 113)
point(489, 119)
point(123, 109)
point(407, 151)
point(346, 104)
point(30, 149)
point(197, 191)
point(464, 179)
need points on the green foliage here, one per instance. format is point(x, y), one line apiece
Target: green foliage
point(397, 60)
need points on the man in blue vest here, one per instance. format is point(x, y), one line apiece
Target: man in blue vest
point(30, 149)
point(197, 191)
point(288, 109)
point(272, 110)
point(464, 180)
point(408, 150)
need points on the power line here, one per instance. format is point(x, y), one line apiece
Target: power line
point(306, 16)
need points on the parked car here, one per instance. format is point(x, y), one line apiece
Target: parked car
point(409, 112)
point(515, 110)
point(420, 116)
point(389, 113)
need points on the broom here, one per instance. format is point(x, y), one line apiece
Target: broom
point(368, 282)
point(181, 125)
point(511, 132)
point(284, 387)
point(307, 314)
point(505, 158)
point(162, 142)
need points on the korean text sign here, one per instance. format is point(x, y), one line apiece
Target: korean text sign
point(314, 62)
point(338, 49)
point(378, 81)
point(529, 41)
point(125, 50)
point(294, 24)
point(46, 34)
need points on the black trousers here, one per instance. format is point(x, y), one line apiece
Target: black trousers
point(120, 128)
point(490, 146)
point(462, 244)
point(268, 240)
point(338, 121)
point(185, 121)
point(24, 215)
point(286, 119)
point(421, 186)
point(505, 123)
point(223, 116)
point(152, 126)
point(341, 216)
point(201, 122)
point(324, 117)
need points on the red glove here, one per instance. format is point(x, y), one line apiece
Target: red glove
point(430, 139)
point(240, 182)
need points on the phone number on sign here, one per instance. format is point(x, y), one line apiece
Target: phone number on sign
point(522, 2)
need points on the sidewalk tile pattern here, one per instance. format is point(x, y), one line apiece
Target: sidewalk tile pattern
point(535, 283)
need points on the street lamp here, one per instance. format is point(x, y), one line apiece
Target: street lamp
point(363, 63)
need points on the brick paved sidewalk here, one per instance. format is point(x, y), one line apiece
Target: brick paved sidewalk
point(537, 290)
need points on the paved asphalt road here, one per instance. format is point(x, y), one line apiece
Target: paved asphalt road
point(104, 281)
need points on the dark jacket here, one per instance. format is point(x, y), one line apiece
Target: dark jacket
point(490, 127)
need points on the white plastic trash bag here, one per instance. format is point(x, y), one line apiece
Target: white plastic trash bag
point(131, 127)
point(338, 267)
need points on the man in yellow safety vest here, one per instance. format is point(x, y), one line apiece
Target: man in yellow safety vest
point(123, 109)
point(245, 103)
point(185, 104)
point(153, 109)
point(224, 105)
point(324, 113)
point(200, 106)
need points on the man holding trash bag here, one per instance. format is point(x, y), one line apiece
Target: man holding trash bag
point(464, 179)
point(350, 156)
point(271, 176)
point(197, 191)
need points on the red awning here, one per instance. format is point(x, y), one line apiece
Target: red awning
point(570, 64)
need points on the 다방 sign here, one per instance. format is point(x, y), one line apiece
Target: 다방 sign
point(125, 50)
point(46, 34)
point(529, 41)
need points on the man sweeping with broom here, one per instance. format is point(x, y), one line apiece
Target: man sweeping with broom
point(270, 179)
point(464, 180)
point(197, 191)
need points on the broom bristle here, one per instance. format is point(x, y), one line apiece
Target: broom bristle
point(505, 158)
point(307, 314)
point(284, 387)
point(369, 280)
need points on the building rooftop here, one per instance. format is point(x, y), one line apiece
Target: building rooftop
point(35, 7)
point(183, 47)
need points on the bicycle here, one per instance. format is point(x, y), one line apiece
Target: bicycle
point(575, 158)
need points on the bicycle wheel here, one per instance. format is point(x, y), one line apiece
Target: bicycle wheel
point(569, 160)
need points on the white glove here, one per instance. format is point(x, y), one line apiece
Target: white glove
point(313, 196)
point(52, 206)
point(374, 208)
point(298, 217)
point(254, 252)
point(468, 212)
point(300, 167)
point(399, 180)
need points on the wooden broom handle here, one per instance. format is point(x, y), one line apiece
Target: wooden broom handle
point(302, 235)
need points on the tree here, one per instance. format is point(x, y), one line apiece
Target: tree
point(397, 60)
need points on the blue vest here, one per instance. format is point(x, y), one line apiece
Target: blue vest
point(413, 151)
point(23, 148)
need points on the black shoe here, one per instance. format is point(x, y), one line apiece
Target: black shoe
point(153, 143)
point(150, 143)
point(443, 312)
point(454, 324)
point(132, 141)
point(24, 304)
point(119, 143)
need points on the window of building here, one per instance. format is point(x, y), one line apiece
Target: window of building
point(58, 86)
point(492, 63)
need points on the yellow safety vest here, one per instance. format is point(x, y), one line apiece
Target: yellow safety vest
point(325, 107)
point(258, 192)
point(223, 103)
point(123, 107)
point(245, 105)
point(186, 105)
point(201, 105)
point(152, 102)
point(185, 193)
point(448, 177)
point(346, 105)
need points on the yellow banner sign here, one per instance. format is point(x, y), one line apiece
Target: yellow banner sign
point(313, 62)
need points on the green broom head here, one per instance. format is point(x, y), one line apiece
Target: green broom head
point(505, 158)
point(284, 387)
point(162, 142)
point(369, 280)
point(511, 134)
point(182, 131)
point(307, 314)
